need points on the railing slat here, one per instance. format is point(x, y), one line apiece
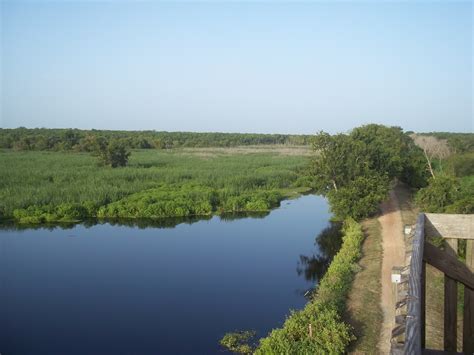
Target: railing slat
point(450, 302)
point(468, 322)
point(423, 305)
point(413, 327)
point(449, 265)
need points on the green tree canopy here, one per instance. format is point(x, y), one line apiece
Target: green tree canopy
point(354, 170)
point(114, 153)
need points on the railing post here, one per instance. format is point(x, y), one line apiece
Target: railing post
point(450, 303)
point(468, 322)
point(423, 305)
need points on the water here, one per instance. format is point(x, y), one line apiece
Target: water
point(114, 289)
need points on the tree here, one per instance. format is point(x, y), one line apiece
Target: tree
point(354, 170)
point(113, 153)
point(433, 148)
point(118, 154)
point(70, 138)
point(337, 161)
point(384, 147)
point(360, 198)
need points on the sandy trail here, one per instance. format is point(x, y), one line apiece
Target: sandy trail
point(393, 255)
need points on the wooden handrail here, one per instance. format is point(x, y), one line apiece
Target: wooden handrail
point(450, 226)
point(409, 334)
point(449, 265)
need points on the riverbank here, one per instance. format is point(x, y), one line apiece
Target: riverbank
point(364, 312)
point(45, 187)
point(319, 327)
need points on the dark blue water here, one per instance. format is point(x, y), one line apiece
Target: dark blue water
point(111, 289)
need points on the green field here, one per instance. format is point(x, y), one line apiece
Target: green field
point(44, 186)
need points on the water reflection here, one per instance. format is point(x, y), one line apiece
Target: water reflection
point(143, 289)
point(327, 243)
point(144, 223)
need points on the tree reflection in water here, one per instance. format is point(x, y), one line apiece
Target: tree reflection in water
point(328, 243)
point(167, 222)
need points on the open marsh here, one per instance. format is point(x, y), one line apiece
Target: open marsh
point(68, 186)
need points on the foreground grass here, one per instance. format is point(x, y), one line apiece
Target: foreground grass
point(363, 305)
point(319, 328)
point(40, 187)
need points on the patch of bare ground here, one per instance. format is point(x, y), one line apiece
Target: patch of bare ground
point(393, 255)
point(408, 209)
point(281, 149)
point(363, 305)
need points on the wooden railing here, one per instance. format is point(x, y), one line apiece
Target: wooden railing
point(408, 335)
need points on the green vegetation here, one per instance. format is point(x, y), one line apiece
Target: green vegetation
point(364, 312)
point(84, 140)
point(238, 342)
point(451, 190)
point(114, 153)
point(447, 194)
point(42, 187)
point(461, 165)
point(355, 170)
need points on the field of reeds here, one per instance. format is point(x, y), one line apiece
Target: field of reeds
point(46, 186)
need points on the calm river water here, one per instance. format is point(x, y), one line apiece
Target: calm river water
point(114, 289)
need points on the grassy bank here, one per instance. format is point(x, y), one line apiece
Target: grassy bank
point(38, 187)
point(363, 304)
point(319, 327)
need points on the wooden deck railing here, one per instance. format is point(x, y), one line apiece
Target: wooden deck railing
point(408, 335)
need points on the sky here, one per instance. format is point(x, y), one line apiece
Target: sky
point(267, 67)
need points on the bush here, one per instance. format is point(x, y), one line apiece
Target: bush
point(71, 211)
point(462, 165)
point(441, 192)
point(463, 206)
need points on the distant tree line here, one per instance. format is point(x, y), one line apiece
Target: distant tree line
point(85, 140)
point(458, 142)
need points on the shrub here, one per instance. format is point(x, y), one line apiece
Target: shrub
point(463, 206)
point(462, 165)
point(441, 192)
point(71, 211)
point(238, 342)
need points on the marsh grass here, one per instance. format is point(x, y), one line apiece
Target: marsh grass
point(52, 179)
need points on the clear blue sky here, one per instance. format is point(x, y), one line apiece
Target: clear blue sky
point(237, 66)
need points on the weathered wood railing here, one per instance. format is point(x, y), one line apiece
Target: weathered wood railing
point(408, 335)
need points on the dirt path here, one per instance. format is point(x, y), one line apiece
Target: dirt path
point(393, 255)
